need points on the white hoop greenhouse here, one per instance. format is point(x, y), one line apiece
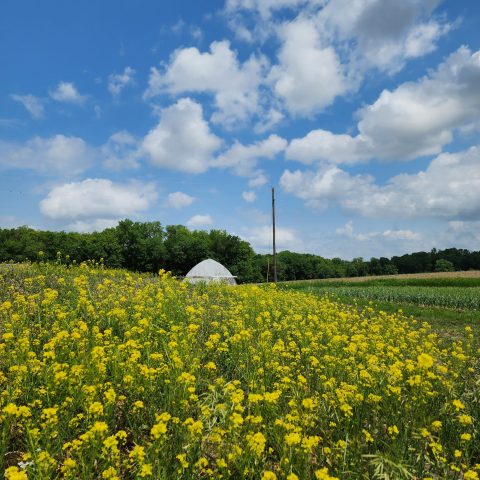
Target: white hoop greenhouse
point(210, 271)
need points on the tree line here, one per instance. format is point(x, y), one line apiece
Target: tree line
point(148, 247)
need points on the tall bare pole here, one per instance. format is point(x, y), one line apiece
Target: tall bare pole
point(274, 248)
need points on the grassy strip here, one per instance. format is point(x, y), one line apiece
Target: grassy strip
point(385, 282)
point(445, 297)
point(448, 323)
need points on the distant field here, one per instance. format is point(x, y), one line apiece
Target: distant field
point(456, 297)
point(448, 301)
point(405, 276)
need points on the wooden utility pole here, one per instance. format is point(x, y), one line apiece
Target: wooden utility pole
point(274, 248)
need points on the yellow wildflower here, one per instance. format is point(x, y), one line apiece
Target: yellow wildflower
point(14, 473)
point(269, 475)
point(465, 419)
point(146, 470)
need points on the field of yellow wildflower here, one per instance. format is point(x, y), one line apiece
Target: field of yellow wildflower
point(111, 375)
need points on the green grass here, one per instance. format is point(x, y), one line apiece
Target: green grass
point(458, 298)
point(446, 322)
point(386, 282)
point(447, 304)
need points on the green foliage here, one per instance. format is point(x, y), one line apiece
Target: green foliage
point(137, 246)
point(442, 265)
point(448, 297)
point(390, 282)
point(148, 247)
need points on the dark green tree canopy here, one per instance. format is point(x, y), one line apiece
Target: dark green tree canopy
point(148, 247)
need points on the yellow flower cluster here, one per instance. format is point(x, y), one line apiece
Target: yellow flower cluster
point(110, 375)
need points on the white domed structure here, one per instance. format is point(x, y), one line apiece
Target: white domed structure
point(210, 271)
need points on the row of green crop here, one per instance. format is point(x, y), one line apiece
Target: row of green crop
point(446, 297)
point(388, 282)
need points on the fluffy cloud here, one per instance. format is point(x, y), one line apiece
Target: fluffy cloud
point(270, 118)
point(32, 103)
point(243, 159)
point(97, 200)
point(382, 33)
point(322, 145)
point(416, 119)
point(449, 188)
point(422, 38)
point(407, 235)
point(465, 234)
point(258, 180)
point(350, 242)
point(182, 139)
point(233, 85)
point(66, 92)
point(264, 7)
point(55, 155)
point(326, 184)
point(179, 200)
point(329, 46)
point(96, 225)
point(255, 20)
point(121, 151)
point(249, 196)
point(309, 75)
point(373, 33)
point(285, 239)
point(198, 221)
point(118, 81)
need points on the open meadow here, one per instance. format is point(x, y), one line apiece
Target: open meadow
point(107, 374)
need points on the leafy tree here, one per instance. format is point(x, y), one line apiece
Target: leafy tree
point(147, 246)
point(141, 245)
point(184, 249)
point(442, 265)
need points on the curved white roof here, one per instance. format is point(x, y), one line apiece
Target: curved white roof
point(210, 271)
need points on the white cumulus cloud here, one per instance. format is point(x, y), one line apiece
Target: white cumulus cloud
point(328, 47)
point(258, 180)
point(179, 200)
point(198, 221)
point(309, 75)
point(96, 225)
point(97, 200)
point(322, 145)
point(264, 7)
point(382, 33)
point(55, 155)
point(66, 92)
point(182, 139)
point(121, 151)
point(243, 159)
point(234, 85)
point(407, 235)
point(415, 119)
point(261, 238)
point(449, 188)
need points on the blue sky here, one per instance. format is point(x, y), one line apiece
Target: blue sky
point(364, 114)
